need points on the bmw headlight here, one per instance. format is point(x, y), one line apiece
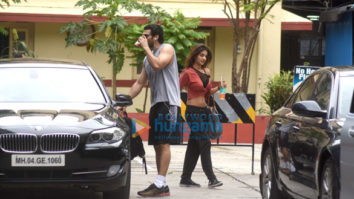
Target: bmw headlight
point(105, 138)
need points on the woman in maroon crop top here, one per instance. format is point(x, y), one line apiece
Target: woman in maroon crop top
point(196, 79)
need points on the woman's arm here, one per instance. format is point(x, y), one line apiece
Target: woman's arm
point(212, 90)
point(183, 80)
point(216, 88)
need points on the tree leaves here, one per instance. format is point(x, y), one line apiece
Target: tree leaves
point(117, 34)
point(14, 33)
point(279, 89)
point(181, 33)
point(7, 2)
point(178, 31)
point(172, 40)
point(108, 31)
point(3, 31)
point(252, 12)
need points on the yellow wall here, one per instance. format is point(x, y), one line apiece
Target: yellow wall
point(268, 59)
point(223, 55)
point(266, 62)
point(48, 43)
point(190, 8)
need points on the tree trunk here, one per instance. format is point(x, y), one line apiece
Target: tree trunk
point(246, 60)
point(235, 79)
point(240, 76)
point(114, 83)
point(250, 60)
point(244, 67)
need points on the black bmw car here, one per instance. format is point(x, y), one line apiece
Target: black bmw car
point(300, 155)
point(59, 129)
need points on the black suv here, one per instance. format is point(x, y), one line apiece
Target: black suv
point(59, 128)
point(300, 155)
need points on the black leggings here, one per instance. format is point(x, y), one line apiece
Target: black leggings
point(198, 144)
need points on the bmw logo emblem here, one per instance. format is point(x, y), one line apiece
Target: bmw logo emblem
point(38, 128)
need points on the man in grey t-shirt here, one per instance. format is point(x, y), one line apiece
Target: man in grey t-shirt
point(160, 68)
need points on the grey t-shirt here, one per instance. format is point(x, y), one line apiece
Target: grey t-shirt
point(164, 84)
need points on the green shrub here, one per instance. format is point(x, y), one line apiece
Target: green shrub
point(279, 89)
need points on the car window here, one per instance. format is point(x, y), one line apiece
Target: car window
point(289, 103)
point(49, 85)
point(307, 89)
point(322, 91)
point(346, 88)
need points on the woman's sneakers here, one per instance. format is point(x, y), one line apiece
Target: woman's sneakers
point(214, 183)
point(188, 183)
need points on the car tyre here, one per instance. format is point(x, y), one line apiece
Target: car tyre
point(269, 188)
point(329, 185)
point(122, 192)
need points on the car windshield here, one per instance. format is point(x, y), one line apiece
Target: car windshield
point(67, 85)
point(346, 87)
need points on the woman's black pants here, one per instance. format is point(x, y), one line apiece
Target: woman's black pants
point(198, 143)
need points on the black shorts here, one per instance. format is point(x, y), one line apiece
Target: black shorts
point(163, 129)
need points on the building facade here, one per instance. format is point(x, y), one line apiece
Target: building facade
point(38, 23)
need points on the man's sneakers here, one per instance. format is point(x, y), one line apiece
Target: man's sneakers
point(214, 183)
point(188, 183)
point(154, 191)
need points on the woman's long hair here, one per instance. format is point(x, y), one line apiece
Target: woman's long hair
point(196, 50)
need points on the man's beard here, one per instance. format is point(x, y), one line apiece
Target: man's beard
point(151, 45)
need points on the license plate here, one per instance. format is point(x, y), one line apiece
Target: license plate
point(38, 160)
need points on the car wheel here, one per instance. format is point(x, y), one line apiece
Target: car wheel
point(122, 192)
point(269, 185)
point(329, 184)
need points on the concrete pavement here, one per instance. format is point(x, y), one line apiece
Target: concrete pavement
point(232, 166)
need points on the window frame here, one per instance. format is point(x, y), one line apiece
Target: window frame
point(27, 27)
point(12, 41)
point(305, 81)
point(328, 74)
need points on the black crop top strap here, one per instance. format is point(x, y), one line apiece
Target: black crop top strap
point(203, 76)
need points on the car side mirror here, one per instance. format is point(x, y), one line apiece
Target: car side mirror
point(308, 108)
point(123, 100)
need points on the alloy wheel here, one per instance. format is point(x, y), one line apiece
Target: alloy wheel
point(326, 192)
point(267, 177)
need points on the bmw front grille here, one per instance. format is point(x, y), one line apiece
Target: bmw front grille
point(18, 143)
point(59, 143)
point(48, 143)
